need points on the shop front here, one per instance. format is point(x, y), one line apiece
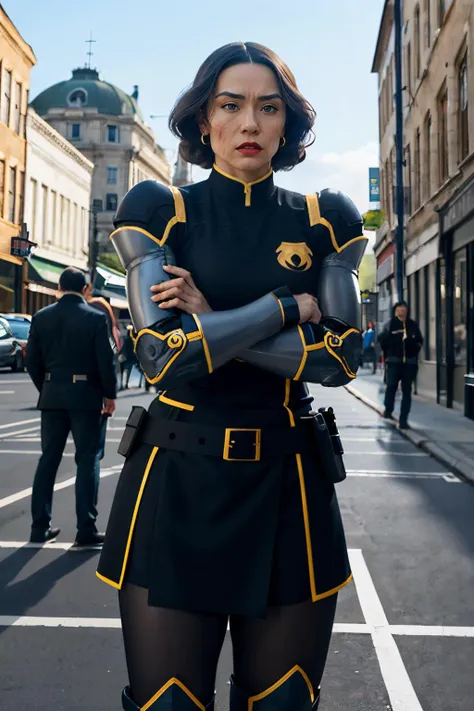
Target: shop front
point(456, 300)
point(385, 282)
point(10, 275)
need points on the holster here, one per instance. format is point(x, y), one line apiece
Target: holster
point(328, 444)
point(133, 429)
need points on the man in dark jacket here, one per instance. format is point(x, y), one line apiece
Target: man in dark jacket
point(70, 360)
point(401, 341)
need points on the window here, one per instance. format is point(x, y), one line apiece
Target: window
point(54, 202)
point(426, 300)
point(112, 134)
point(443, 135)
point(34, 198)
point(77, 98)
point(441, 11)
point(463, 110)
point(23, 109)
point(421, 304)
point(21, 196)
point(2, 187)
point(3, 332)
point(417, 195)
point(12, 196)
point(416, 30)
point(408, 60)
point(427, 23)
point(6, 96)
point(431, 335)
point(460, 307)
point(408, 180)
point(111, 202)
point(16, 107)
point(45, 238)
point(75, 131)
point(416, 295)
point(112, 176)
point(427, 156)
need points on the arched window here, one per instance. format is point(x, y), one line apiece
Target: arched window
point(77, 98)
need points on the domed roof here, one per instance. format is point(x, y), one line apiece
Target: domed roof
point(84, 90)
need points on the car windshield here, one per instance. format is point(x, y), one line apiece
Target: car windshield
point(20, 329)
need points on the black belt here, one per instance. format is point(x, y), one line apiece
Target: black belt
point(66, 378)
point(234, 444)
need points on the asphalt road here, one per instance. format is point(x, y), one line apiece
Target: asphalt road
point(404, 635)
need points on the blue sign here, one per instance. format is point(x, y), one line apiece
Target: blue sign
point(374, 185)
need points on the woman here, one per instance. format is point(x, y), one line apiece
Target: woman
point(222, 509)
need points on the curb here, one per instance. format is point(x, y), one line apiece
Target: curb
point(450, 459)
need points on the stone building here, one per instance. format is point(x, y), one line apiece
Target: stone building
point(438, 101)
point(57, 208)
point(106, 125)
point(16, 60)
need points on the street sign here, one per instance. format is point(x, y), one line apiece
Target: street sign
point(374, 185)
point(21, 246)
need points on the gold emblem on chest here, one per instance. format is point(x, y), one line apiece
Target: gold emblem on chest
point(295, 256)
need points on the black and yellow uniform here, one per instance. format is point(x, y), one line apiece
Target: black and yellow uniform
point(218, 534)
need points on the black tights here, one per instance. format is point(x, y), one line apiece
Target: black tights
point(161, 643)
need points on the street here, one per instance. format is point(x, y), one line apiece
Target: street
point(404, 635)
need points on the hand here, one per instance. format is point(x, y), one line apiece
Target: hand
point(181, 293)
point(109, 407)
point(309, 309)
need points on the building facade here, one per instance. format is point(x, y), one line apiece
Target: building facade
point(438, 149)
point(57, 209)
point(105, 124)
point(16, 60)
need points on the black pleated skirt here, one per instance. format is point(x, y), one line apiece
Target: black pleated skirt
point(207, 535)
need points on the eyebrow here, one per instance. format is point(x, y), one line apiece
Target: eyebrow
point(231, 94)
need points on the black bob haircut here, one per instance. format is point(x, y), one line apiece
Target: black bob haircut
point(191, 107)
point(72, 279)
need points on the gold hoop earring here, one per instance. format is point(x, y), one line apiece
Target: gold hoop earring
point(203, 139)
point(282, 141)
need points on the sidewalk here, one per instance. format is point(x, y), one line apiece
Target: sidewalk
point(445, 434)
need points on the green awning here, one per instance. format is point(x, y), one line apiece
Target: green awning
point(42, 270)
point(109, 283)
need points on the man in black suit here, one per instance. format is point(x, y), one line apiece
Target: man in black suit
point(70, 360)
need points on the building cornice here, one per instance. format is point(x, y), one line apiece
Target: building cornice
point(385, 29)
point(36, 123)
point(16, 37)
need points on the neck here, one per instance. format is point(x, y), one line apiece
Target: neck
point(245, 176)
point(66, 293)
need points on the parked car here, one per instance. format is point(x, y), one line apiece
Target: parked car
point(20, 325)
point(11, 353)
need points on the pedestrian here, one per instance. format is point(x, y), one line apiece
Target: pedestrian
point(71, 363)
point(401, 342)
point(127, 359)
point(368, 346)
point(224, 510)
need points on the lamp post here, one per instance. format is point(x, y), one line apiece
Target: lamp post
point(400, 232)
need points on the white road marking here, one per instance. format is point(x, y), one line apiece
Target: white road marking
point(25, 380)
point(62, 485)
point(19, 432)
point(431, 631)
point(389, 440)
point(7, 392)
point(30, 451)
point(383, 452)
point(38, 439)
point(390, 473)
point(400, 690)
point(21, 422)
point(24, 621)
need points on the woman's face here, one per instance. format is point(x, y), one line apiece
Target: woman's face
point(245, 120)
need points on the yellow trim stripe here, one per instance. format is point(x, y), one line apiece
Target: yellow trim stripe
point(333, 591)
point(247, 186)
point(179, 348)
point(315, 346)
point(314, 213)
point(307, 529)
point(287, 400)
point(175, 403)
point(204, 344)
point(296, 669)
point(281, 309)
point(304, 357)
point(342, 361)
point(165, 688)
point(179, 216)
point(118, 585)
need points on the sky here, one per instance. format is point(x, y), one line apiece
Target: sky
point(329, 46)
